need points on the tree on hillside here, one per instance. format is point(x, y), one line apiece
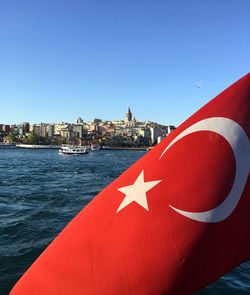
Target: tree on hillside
point(11, 137)
point(33, 138)
point(58, 141)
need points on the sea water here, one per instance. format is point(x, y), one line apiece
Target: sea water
point(41, 191)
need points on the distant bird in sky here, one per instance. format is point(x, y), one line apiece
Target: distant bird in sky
point(198, 85)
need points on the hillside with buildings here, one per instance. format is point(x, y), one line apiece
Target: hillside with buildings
point(118, 133)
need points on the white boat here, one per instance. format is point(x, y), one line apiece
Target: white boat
point(73, 150)
point(95, 147)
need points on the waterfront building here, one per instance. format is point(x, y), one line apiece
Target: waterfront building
point(65, 133)
point(110, 128)
point(93, 127)
point(78, 129)
point(43, 129)
point(13, 128)
point(59, 127)
point(50, 130)
point(144, 132)
point(36, 128)
point(155, 133)
point(26, 127)
point(118, 122)
point(6, 128)
point(21, 131)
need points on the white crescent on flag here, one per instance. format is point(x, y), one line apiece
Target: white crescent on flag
point(238, 140)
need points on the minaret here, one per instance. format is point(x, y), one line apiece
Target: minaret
point(128, 116)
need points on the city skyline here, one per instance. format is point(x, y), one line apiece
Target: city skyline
point(125, 132)
point(63, 59)
point(127, 116)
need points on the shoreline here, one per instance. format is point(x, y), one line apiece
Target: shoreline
point(40, 146)
point(37, 146)
point(126, 149)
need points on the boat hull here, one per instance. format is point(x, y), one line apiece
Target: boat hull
point(73, 153)
point(73, 150)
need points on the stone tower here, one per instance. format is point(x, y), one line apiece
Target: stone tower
point(128, 116)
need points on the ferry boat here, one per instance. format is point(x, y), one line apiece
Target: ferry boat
point(73, 150)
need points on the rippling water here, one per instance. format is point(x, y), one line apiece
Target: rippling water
point(41, 191)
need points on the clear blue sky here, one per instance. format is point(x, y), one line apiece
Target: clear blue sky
point(64, 59)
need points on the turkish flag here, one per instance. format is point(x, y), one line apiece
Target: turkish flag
point(174, 222)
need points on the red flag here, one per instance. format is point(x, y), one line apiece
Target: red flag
point(172, 223)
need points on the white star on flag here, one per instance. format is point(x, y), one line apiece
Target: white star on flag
point(137, 192)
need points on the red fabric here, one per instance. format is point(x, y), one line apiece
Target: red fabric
point(157, 251)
